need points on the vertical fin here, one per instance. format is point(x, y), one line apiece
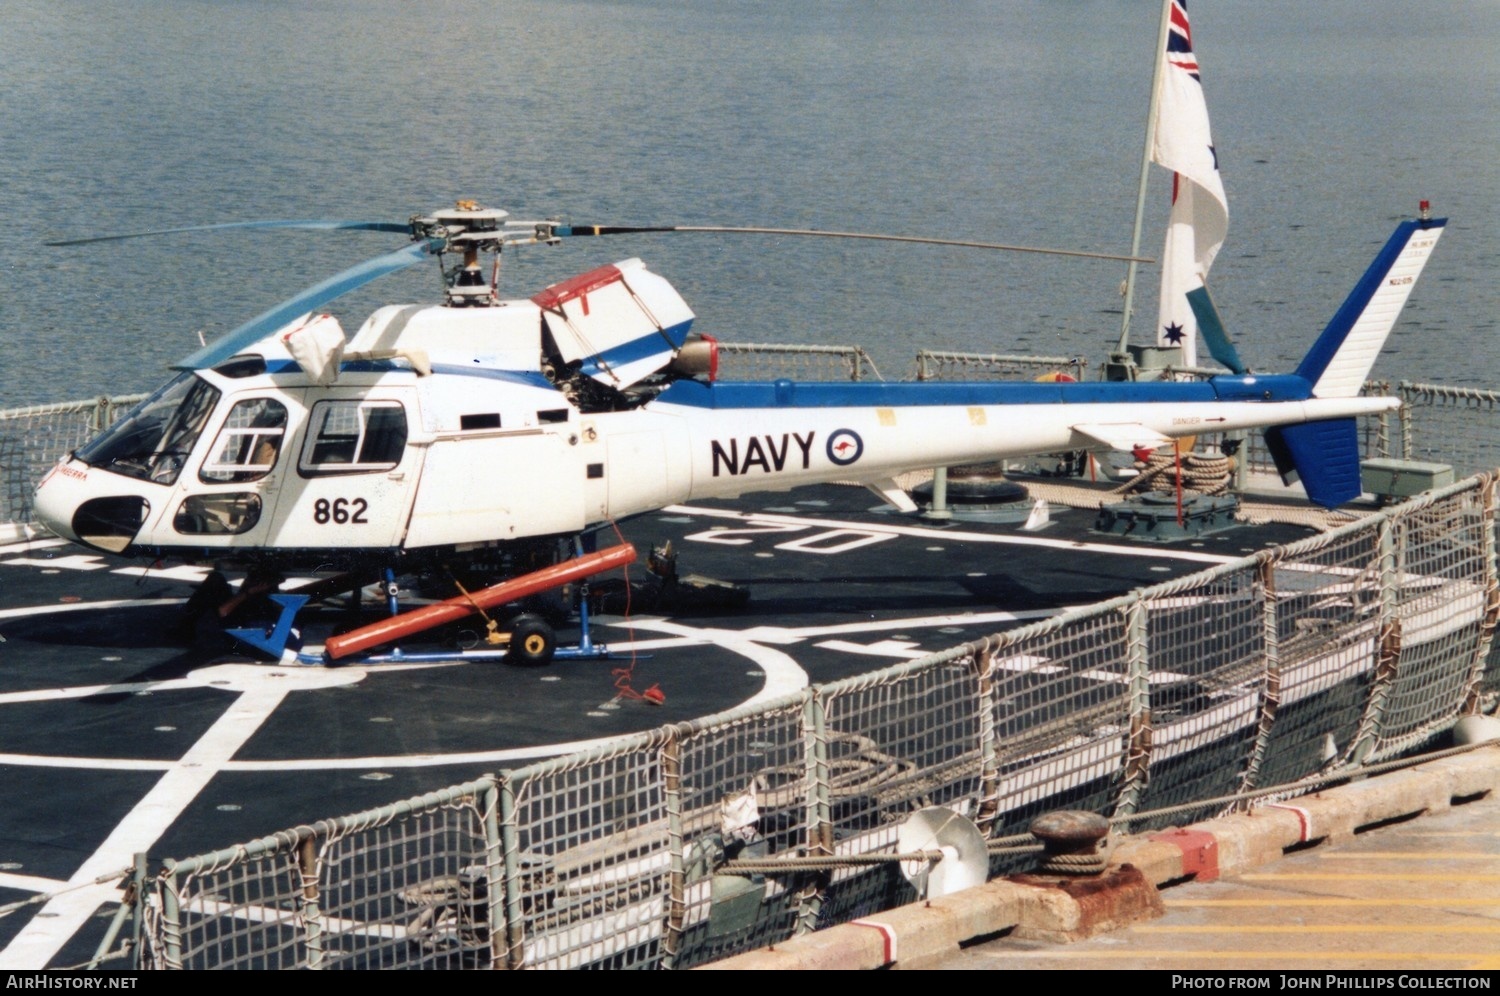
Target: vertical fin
point(1340, 360)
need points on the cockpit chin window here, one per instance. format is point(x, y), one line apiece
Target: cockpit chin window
point(154, 440)
point(222, 513)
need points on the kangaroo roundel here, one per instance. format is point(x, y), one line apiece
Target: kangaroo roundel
point(845, 447)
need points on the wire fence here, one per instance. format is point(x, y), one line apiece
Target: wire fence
point(1341, 650)
point(1449, 425)
point(32, 439)
point(932, 364)
point(769, 361)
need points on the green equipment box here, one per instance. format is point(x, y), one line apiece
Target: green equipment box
point(1403, 478)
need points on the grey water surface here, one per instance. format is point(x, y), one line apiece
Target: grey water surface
point(1000, 121)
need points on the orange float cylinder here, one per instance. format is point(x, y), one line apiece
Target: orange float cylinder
point(428, 616)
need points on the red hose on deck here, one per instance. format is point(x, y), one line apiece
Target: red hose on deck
point(428, 616)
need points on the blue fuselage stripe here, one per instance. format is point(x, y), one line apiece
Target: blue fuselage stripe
point(790, 394)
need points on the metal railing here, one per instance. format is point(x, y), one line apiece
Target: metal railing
point(932, 364)
point(32, 439)
point(769, 361)
point(1450, 425)
point(1340, 650)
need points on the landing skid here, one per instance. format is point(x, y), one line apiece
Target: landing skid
point(527, 643)
point(273, 641)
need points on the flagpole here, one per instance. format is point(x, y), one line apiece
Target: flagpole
point(1146, 159)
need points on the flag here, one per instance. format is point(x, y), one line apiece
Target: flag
point(1200, 212)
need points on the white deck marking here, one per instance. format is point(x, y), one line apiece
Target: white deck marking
point(1032, 664)
point(62, 917)
point(783, 674)
point(77, 562)
point(900, 649)
point(1027, 664)
point(30, 883)
point(182, 572)
point(85, 763)
point(274, 914)
point(18, 533)
point(116, 603)
point(665, 643)
point(30, 545)
point(953, 536)
point(84, 691)
point(785, 634)
point(261, 691)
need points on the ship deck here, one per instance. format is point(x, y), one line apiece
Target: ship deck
point(122, 737)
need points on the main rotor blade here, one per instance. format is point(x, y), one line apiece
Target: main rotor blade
point(314, 297)
point(313, 224)
point(576, 230)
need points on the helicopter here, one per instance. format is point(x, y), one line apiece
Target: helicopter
point(490, 428)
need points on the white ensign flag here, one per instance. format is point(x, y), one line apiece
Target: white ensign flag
point(1200, 212)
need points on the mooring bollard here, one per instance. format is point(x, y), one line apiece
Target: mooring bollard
point(1076, 841)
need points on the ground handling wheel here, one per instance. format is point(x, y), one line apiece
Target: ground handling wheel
point(532, 641)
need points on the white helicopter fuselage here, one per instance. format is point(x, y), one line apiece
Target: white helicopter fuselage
point(449, 428)
point(470, 458)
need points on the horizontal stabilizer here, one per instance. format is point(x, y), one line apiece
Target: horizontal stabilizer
point(1121, 436)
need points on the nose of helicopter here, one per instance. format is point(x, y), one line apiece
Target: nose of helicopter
point(57, 496)
point(67, 501)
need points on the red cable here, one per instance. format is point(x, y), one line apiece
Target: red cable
point(622, 675)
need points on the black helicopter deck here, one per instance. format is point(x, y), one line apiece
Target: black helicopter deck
point(118, 737)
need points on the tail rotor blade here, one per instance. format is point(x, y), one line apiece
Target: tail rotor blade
point(1212, 330)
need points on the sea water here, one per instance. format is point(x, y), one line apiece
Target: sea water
point(1012, 122)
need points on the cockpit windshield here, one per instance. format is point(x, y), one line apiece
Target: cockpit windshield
point(153, 441)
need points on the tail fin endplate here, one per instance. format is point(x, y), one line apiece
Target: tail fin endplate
point(1324, 456)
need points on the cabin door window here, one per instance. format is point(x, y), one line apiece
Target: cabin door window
point(248, 444)
point(352, 437)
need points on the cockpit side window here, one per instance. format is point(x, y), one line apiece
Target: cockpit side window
point(153, 441)
point(352, 437)
point(247, 445)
